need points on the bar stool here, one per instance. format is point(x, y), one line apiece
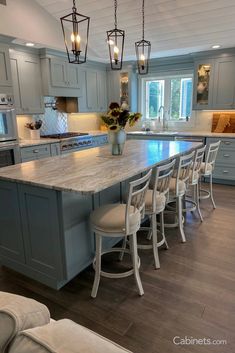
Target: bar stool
point(155, 203)
point(177, 190)
point(120, 220)
point(207, 168)
point(194, 177)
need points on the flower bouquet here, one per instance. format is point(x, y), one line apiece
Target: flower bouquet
point(115, 120)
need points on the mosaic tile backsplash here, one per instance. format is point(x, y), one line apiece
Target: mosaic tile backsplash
point(53, 122)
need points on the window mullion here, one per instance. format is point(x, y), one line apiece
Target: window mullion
point(167, 96)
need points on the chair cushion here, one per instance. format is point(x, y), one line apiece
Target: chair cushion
point(206, 168)
point(19, 313)
point(63, 336)
point(181, 187)
point(160, 202)
point(110, 218)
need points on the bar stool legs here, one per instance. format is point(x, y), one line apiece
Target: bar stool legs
point(180, 218)
point(155, 243)
point(134, 254)
point(98, 241)
point(211, 192)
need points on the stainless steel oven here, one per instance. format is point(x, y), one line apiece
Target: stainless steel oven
point(9, 154)
point(8, 129)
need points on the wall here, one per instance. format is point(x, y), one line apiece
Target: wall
point(25, 19)
point(83, 122)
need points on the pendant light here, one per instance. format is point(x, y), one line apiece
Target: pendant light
point(75, 29)
point(115, 40)
point(143, 50)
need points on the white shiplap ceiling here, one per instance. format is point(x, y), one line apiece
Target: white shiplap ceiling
point(174, 27)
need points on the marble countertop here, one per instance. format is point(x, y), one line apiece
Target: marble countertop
point(95, 169)
point(183, 133)
point(43, 141)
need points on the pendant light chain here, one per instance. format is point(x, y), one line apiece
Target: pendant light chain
point(143, 20)
point(115, 14)
point(74, 5)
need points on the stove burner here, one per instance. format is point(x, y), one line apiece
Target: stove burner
point(65, 135)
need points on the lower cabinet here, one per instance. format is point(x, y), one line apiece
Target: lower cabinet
point(100, 140)
point(35, 152)
point(225, 161)
point(11, 235)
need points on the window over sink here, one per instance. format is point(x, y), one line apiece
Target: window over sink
point(172, 93)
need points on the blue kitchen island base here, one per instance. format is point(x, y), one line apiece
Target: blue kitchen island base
point(45, 234)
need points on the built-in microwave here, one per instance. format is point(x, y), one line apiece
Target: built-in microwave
point(8, 129)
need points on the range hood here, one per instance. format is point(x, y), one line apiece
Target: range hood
point(67, 104)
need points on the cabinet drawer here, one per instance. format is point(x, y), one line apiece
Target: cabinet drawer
point(226, 143)
point(35, 152)
point(226, 156)
point(224, 172)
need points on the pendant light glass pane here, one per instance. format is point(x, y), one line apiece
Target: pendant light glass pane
point(143, 50)
point(115, 39)
point(76, 30)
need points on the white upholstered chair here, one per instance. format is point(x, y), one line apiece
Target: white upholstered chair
point(177, 190)
point(207, 168)
point(155, 203)
point(120, 220)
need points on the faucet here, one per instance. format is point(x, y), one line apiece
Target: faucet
point(164, 120)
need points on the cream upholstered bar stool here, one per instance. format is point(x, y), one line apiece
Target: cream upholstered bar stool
point(207, 168)
point(120, 220)
point(177, 190)
point(194, 178)
point(155, 203)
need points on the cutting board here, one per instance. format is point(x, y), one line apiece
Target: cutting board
point(223, 117)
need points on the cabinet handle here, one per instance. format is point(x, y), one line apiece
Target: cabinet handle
point(35, 151)
point(225, 171)
point(227, 142)
point(226, 155)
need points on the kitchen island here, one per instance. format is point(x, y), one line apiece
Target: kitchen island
point(45, 205)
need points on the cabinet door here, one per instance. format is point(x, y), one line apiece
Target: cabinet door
point(102, 91)
point(11, 238)
point(31, 85)
point(58, 70)
point(73, 76)
point(203, 85)
point(224, 83)
point(55, 149)
point(5, 69)
point(92, 91)
point(15, 71)
point(82, 100)
point(41, 229)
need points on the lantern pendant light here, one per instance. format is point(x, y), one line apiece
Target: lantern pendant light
point(75, 29)
point(115, 40)
point(143, 50)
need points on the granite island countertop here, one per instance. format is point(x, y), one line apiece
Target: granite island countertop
point(93, 170)
point(182, 133)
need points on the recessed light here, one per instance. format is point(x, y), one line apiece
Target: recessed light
point(30, 44)
point(217, 46)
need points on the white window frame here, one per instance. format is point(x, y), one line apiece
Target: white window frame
point(167, 92)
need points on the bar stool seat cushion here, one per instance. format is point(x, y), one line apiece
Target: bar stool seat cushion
point(110, 218)
point(181, 187)
point(193, 176)
point(160, 202)
point(206, 168)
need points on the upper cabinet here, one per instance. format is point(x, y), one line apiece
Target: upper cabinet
point(122, 88)
point(224, 83)
point(5, 68)
point(203, 84)
point(214, 84)
point(94, 90)
point(60, 78)
point(27, 84)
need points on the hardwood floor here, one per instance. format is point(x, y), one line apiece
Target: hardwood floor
point(193, 294)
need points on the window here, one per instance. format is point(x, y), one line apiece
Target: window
point(174, 93)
